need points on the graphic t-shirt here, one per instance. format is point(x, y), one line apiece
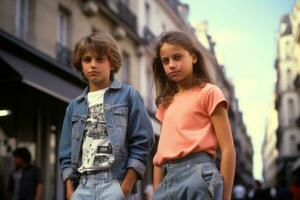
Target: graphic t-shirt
point(97, 152)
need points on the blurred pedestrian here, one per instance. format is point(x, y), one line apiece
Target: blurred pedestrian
point(239, 192)
point(283, 192)
point(295, 188)
point(25, 181)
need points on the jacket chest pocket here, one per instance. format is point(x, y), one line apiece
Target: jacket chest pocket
point(77, 127)
point(120, 116)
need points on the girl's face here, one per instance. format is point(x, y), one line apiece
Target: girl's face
point(177, 62)
point(96, 69)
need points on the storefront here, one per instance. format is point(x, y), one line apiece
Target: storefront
point(35, 90)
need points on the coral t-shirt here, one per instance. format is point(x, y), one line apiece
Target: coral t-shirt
point(186, 124)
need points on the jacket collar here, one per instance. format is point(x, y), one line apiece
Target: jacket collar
point(114, 85)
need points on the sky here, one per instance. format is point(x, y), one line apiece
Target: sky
point(245, 33)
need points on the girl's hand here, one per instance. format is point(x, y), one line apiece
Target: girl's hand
point(157, 177)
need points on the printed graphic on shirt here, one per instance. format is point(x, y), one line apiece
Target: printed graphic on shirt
point(97, 152)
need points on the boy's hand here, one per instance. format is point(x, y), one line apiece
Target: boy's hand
point(128, 182)
point(126, 189)
point(69, 189)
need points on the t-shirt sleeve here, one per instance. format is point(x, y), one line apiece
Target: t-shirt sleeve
point(160, 113)
point(213, 98)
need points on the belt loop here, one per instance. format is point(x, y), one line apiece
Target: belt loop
point(83, 178)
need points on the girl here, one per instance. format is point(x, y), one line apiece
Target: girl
point(107, 134)
point(193, 113)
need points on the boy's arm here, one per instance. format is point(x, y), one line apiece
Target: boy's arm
point(65, 146)
point(65, 153)
point(140, 137)
point(128, 182)
point(69, 188)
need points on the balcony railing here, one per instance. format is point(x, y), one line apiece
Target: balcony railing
point(63, 54)
point(128, 17)
point(122, 11)
point(278, 136)
point(149, 37)
point(298, 121)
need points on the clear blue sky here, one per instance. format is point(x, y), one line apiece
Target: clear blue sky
point(245, 33)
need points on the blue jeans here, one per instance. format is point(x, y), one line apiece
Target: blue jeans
point(192, 177)
point(100, 186)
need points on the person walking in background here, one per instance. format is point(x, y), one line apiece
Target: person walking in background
point(107, 134)
point(239, 192)
point(194, 118)
point(25, 182)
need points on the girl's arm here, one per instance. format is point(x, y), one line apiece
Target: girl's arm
point(157, 177)
point(228, 156)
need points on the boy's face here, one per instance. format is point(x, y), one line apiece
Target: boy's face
point(96, 69)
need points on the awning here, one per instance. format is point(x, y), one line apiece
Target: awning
point(41, 79)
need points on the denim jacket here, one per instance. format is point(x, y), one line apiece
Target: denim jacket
point(128, 125)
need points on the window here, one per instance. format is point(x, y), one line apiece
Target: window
point(63, 29)
point(62, 52)
point(289, 79)
point(293, 144)
point(291, 111)
point(289, 49)
point(125, 68)
point(21, 19)
point(147, 12)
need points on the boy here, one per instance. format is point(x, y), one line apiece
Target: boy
point(107, 135)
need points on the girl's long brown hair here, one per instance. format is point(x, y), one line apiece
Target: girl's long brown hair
point(165, 87)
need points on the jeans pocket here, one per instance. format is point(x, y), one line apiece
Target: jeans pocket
point(215, 186)
point(212, 179)
point(118, 186)
point(207, 176)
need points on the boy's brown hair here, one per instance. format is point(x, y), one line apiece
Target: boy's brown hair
point(102, 44)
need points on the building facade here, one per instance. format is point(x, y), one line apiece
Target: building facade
point(269, 151)
point(287, 95)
